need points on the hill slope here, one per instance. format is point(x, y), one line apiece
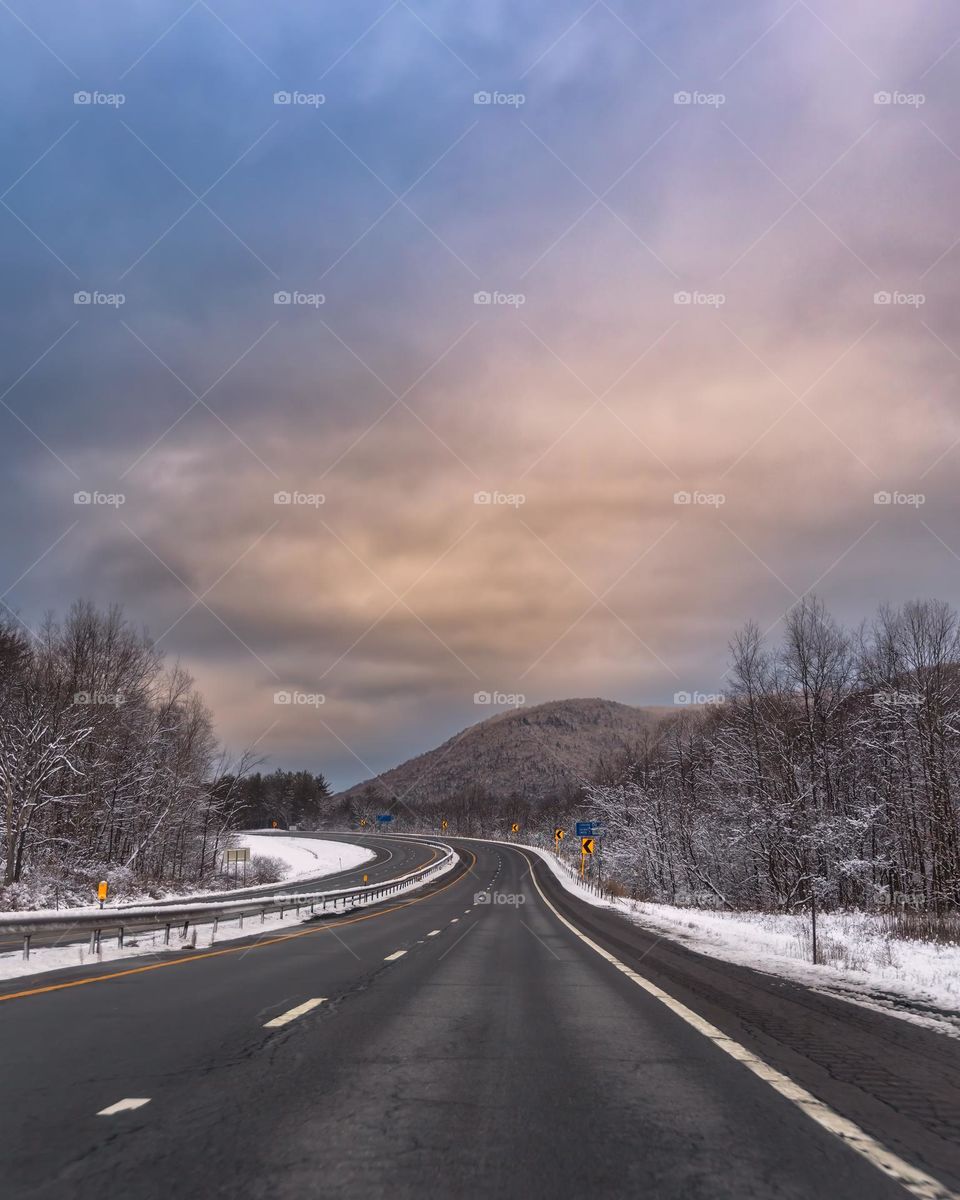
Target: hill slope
point(527, 753)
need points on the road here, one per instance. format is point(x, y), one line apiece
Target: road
point(500, 1054)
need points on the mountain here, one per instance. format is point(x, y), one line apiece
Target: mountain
point(530, 754)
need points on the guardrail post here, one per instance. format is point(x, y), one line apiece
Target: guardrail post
point(213, 931)
point(26, 946)
point(263, 915)
point(166, 934)
point(120, 938)
point(241, 921)
point(186, 926)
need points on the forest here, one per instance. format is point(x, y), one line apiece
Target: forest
point(830, 771)
point(109, 767)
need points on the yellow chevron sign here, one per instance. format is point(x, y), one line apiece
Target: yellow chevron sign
point(586, 845)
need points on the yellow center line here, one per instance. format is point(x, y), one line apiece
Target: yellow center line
point(286, 937)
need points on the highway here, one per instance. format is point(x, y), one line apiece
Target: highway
point(528, 1047)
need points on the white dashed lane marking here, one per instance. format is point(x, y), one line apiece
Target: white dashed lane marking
point(127, 1105)
point(433, 933)
point(293, 1013)
point(395, 955)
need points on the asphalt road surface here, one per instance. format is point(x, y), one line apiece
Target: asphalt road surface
point(461, 1049)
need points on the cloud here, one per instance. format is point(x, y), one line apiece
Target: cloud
point(587, 388)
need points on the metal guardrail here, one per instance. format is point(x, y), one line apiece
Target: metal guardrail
point(254, 891)
point(182, 916)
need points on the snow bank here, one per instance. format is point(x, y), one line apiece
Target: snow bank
point(303, 857)
point(914, 980)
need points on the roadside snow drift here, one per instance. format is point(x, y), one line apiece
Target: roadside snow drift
point(305, 857)
point(914, 980)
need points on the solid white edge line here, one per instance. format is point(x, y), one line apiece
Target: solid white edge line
point(293, 1013)
point(127, 1105)
point(917, 1182)
point(396, 954)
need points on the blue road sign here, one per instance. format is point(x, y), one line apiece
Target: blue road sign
point(585, 828)
point(383, 818)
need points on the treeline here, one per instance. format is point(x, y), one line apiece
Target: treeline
point(474, 811)
point(109, 767)
point(831, 770)
point(289, 798)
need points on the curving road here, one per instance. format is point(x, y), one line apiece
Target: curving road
point(462, 1049)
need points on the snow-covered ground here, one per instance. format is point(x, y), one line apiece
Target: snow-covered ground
point(303, 857)
point(915, 980)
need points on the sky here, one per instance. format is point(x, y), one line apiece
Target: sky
point(575, 334)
